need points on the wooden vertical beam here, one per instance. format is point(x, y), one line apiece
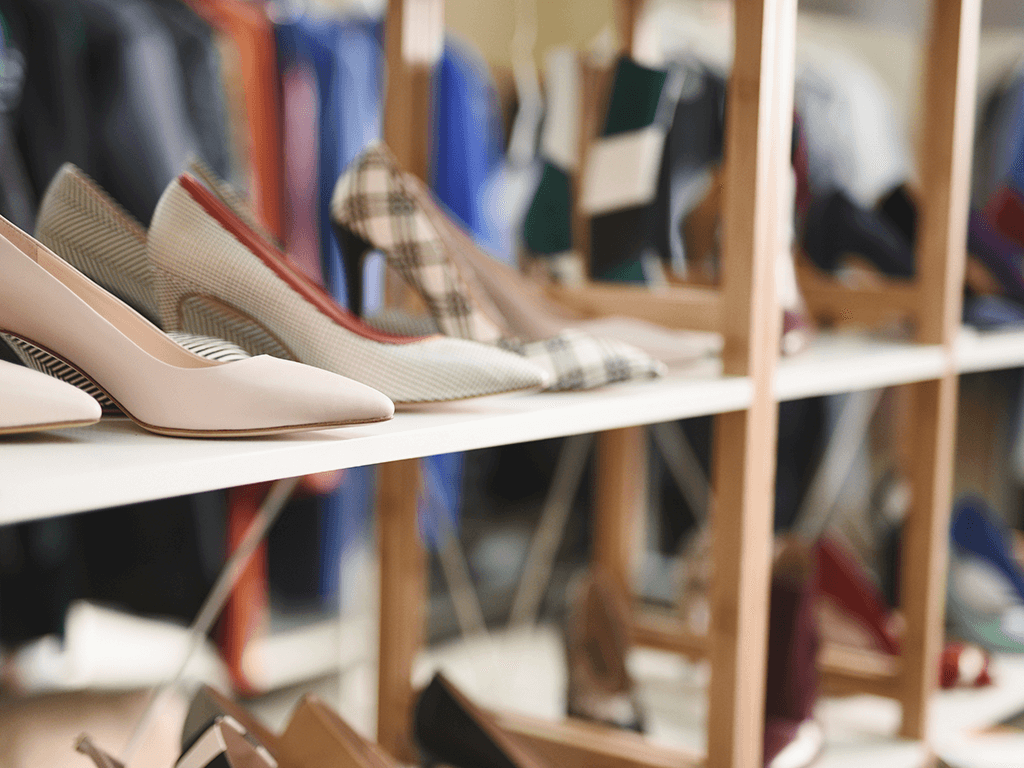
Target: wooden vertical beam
point(594, 84)
point(620, 495)
point(757, 157)
point(945, 165)
point(620, 501)
point(413, 42)
point(403, 596)
point(950, 76)
point(627, 14)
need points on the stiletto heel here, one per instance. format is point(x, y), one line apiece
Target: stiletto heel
point(353, 252)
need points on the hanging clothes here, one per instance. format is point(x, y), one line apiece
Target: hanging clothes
point(248, 27)
point(468, 142)
point(341, 60)
point(105, 90)
point(17, 202)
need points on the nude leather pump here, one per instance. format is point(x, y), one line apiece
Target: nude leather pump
point(161, 386)
point(32, 401)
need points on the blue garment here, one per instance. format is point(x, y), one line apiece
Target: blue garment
point(974, 531)
point(345, 58)
point(468, 142)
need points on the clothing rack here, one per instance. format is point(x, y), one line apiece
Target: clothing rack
point(114, 463)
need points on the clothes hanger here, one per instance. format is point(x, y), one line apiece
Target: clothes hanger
point(526, 125)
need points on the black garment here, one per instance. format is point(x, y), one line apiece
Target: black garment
point(691, 107)
point(901, 211)
point(121, 88)
point(836, 226)
point(204, 93)
point(158, 558)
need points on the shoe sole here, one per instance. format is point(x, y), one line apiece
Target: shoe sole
point(30, 428)
point(54, 360)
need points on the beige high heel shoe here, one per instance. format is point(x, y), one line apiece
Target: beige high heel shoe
point(215, 274)
point(31, 401)
point(164, 388)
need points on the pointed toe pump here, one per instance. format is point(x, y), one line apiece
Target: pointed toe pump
point(451, 730)
point(224, 743)
point(378, 206)
point(216, 275)
point(315, 736)
point(596, 644)
point(157, 383)
point(30, 402)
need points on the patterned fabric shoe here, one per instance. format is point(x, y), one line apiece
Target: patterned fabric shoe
point(224, 744)
point(84, 226)
point(216, 275)
point(377, 206)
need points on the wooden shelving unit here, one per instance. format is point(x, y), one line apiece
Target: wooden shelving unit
point(114, 463)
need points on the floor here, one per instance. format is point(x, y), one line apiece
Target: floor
point(524, 671)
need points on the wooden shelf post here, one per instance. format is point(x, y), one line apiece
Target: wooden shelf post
point(620, 492)
point(759, 124)
point(403, 598)
point(945, 165)
point(620, 503)
point(414, 40)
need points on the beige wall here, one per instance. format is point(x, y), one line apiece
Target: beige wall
point(489, 24)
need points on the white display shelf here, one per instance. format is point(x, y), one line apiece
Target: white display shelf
point(989, 350)
point(116, 463)
point(846, 362)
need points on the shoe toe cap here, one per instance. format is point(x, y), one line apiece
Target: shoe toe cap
point(282, 393)
point(32, 398)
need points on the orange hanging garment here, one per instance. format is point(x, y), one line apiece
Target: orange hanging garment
point(252, 34)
